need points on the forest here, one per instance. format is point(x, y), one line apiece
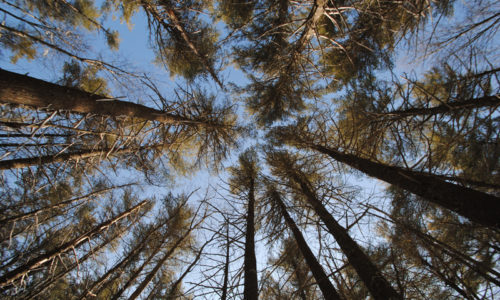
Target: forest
point(249, 149)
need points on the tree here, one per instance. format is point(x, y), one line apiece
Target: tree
point(321, 278)
point(284, 166)
point(243, 181)
point(475, 205)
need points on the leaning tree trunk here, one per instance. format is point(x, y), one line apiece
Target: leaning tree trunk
point(59, 205)
point(157, 267)
point(477, 206)
point(251, 288)
point(486, 101)
point(378, 286)
point(25, 90)
point(43, 286)
point(21, 271)
point(319, 274)
point(118, 268)
point(18, 163)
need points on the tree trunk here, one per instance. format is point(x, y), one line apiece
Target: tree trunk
point(226, 266)
point(18, 163)
point(251, 287)
point(378, 286)
point(25, 90)
point(157, 267)
point(62, 204)
point(40, 288)
point(321, 278)
point(122, 264)
point(477, 206)
point(486, 101)
point(23, 270)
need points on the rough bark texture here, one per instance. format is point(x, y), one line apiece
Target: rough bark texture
point(319, 274)
point(477, 206)
point(21, 271)
point(378, 286)
point(251, 287)
point(25, 90)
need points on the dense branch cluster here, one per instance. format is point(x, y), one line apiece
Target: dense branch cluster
point(337, 169)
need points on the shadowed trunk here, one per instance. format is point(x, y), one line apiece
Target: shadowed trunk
point(251, 287)
point(477, 206)
point(321, 278)
point(378, 286)
point(25, 90)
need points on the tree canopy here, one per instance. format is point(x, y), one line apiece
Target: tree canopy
point(249, 149)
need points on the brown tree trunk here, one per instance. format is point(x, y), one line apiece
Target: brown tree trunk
point(18, 163)
point(477, 206)
point(319, 274)
point(251, 286)
point(21, 271)
point(378, 286)
point(486, 101)
point(25, 90)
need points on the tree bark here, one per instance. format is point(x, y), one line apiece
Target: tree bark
point(251, 286)
point(477, 206)
point(319, 274)
point(18, 163)
point(486, 101)
point(378, 286)
point(23, 270)
point(25, 90)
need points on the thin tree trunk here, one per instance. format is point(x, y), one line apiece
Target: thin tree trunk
point(62, 204)
point(477, 206)
point(40, 288)
point(25, 90)
point(226, 266)
point(378, 286)
point(18, 163)
point(23, 270)
point(137, 272)
point(319, 274)
point(100, 283)
point(250, 291)
point(486, 101)
point(157, 267)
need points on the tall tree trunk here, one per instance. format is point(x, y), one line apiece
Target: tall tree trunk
point(43, 286)
point(226, 266)
point(23, 270)
point(137, 272)
point(477, 206)
point(319, 274)
point(59, 205)
point(158, 265)
point(486, 101)
point(25, 90)
point(378, 286)
point(118, 268)
point(251, 287)
point(18, 163)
